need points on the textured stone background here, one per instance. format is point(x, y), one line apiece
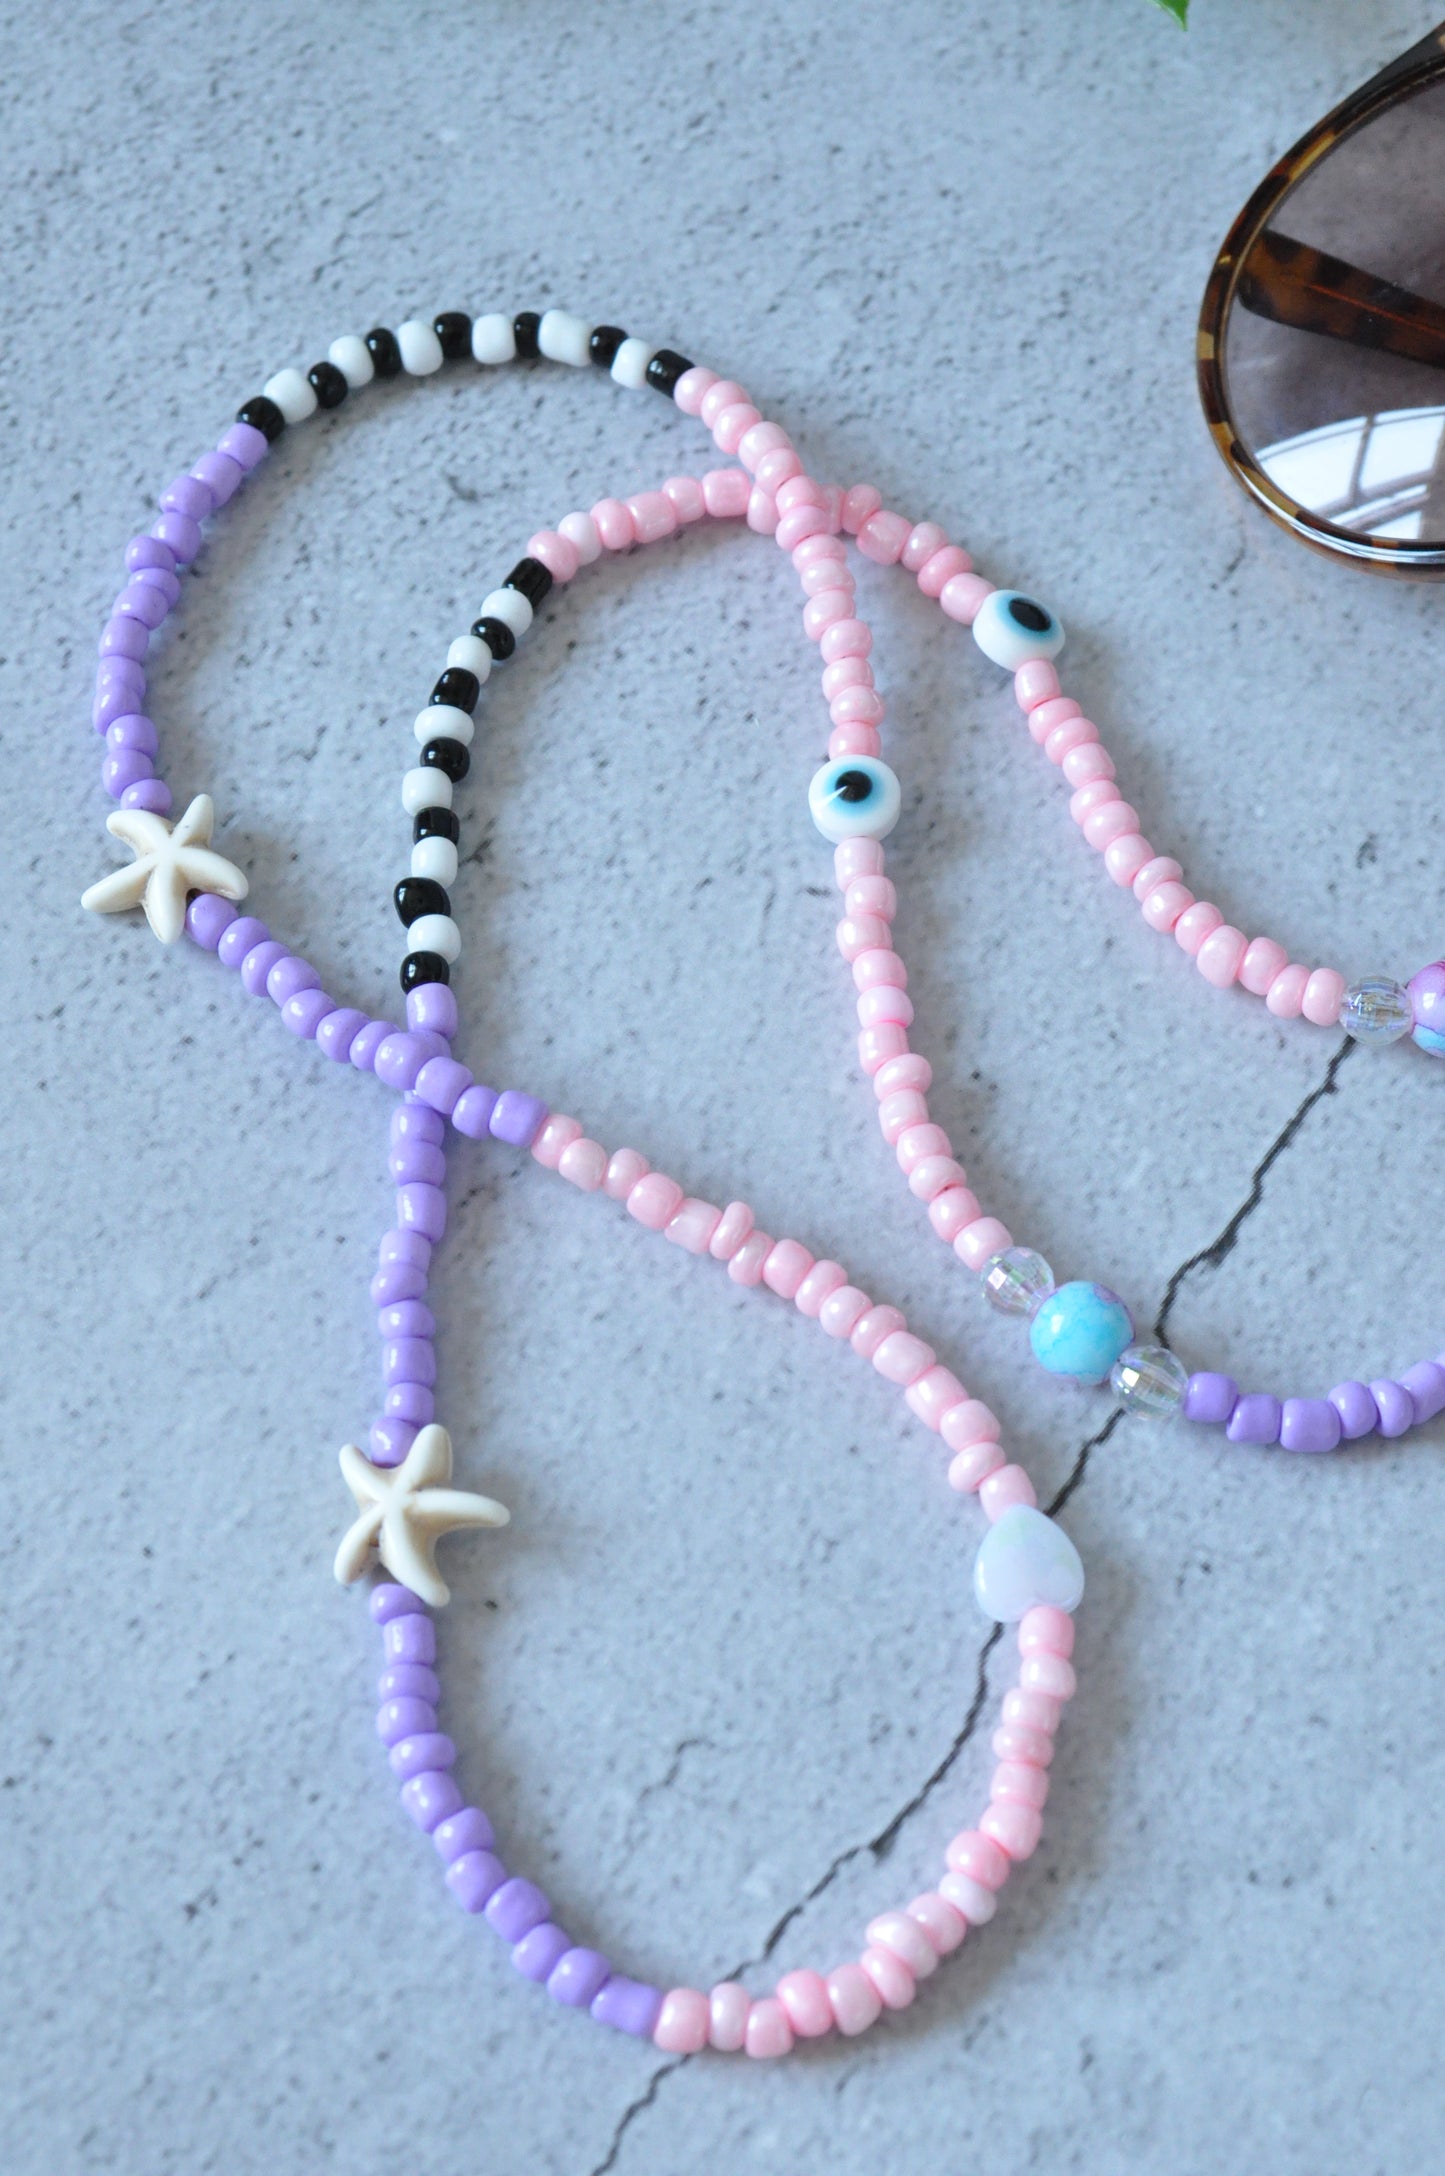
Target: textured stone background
point(729, 1636)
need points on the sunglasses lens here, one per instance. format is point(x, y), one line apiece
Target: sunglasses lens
point(1334, 346)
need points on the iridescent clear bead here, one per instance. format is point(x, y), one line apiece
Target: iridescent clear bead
point(1017, 1282)
point(1377, 1010)
point(1149, 1379)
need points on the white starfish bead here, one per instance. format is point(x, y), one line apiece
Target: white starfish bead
point(171, 862)
point(402, 1512)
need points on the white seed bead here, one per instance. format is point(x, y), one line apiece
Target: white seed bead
point(443, 721)
point(472, 654)
point(629, 364)
point(435, 933)
point(293, 395)
point(425, 788)
point(563, 338)
point(349, 355)
point(493, 340)
point(510, 607)
point(580, 531)
point(421, 351)
point(435, 857)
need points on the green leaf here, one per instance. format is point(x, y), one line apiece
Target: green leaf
point(1179, 9)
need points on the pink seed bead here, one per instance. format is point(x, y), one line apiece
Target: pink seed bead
point(953, 1211)
point(974, 1853)
point(822, 549)
point(725, 493)
point(722, 393)
point(878, 1008)
point(860, 933)
point(1221, 956)
point(693, 1224)
point(580, 531)
point(777, 468)
point(1285, 996)
point(978, 1242)
point(682, 2022)
point(614, 525)
point(1324, 994)
point(1165, 904)
point(762, 438)
point(902, 1358)
point(1030, 1710)
point(899, 1076)
point(924, 539)
point(1050, 1674)
point(879, 969)
point(733, 425)
point(935, 1175)
point(820, 612)
point(843, 1310)
point(1263, 960)
point(653, 516)
point(1195, 924)
point(584, 1164)
point(1086, 801)
point(853, 740)
point(975, 1904)
point(1114, 821)
point(1015, 1828)
point(685, 496)
point(804, 1995)
point(941, 1921)
point(769, 2034)
point(556, 553)
point(818, 576)
point(1049, 716)
point(787, 1265)
point(1035, 683)
point(969, 1468)
point(654, 1200)
point(1020, 1784)
point(822, 1280)
point(746, 1266)
point(891, 1976)
point(933, 1394)
point(624, 1169)
point(883, 536)
point(858, 705)
point(916, 1142)
point(728, 2008)
point(853, 858)
point(557, 1135)
point(691, 386)
point(1044, 1630)
point(845, 638)
point(844, 673)
point(936, 573)
point(906, 1939)
point(1086, 762)
point(877, 1045)
point(736, 1223)
point(1126, 857)
point(762, 514)
point(1006, 1487)
point(1013, 1742)
point(802, 491)
point(1163, 869)
point(855, 2000)
point(962, 595)
point(971, 1422)
point(870, 1329)
point(803, 521)
point(874, 895)
point(1071, 733)
point(859, 505)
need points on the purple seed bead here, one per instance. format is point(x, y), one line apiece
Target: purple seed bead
point(207, 920)
point(540, 1950)
point(1309, 1424)
point(475, 1877)
point(1256, 1418)
point(1397, 1407)
point(116, 699)
point(517, 1907)
point(430, 1044)
point(399, 1246)
point(409, 1681)
point(430, 1797)
point(290, 975)
point(577, 1978)
point(245, 445)
point(469, 1830)
point(303, 1014)
point(413, 1121)
point(398, 1281)
point(410, 1401)
point(409, 1360)
point(399, 1059)
point(418, 1756)
point(144, 602)
point(518, 1118)
point(168, 584)
point(134, 730)
point(442, 1082)
point(398, 1719)
point(422, 1209)
point(148, 551)
point(337, 1031)
point(243, 933)
point(258, 963)
point(124, 637)
point(392, 1600)
point(182, 532)
point(188, 495)
point(408, 1319)
point(432, 1005)
point(152, 794)
point(126, 767)
point(389, 1441)
point(410, 1636)
point(1210, 1399)
point(1426, 1385)
point(629, 2006)
point(473, 1114)
point(367, 1041)
point(416, 1160)
point(1359, 1414)
point(221, 476)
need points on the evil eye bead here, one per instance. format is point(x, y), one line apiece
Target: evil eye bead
point(855, 798)
point(1014, 629)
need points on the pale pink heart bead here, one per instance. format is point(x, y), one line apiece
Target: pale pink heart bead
point(685, 495)
point(1086, 762)
point(801, 491)
point(1102, 826)
point(971, 1422)
point(1086, 801)
point(1052, 1675)
point(853, 740)
point(952, 1211)
point(820, 575)
point(1013, 1742)
point(728, 2007)
point(916, 1142)
point(691, 386)
point(1286, 994)
point(902, 1358)
point(801, 521)
point(870, 1329)
point(804, 1995)
point(820, 612)
point(853, 858)
point(860, 504)
point(1020, 1782)
point(1263, 960)
point(877, 1007)
point(653, 516)
point(845, 672)
point(879, 968)
point(580, 531)
point(762, 514)
point(896, 1113)
point(1126, 857)
point(857, 706)
point(877, 1045)
point(906, 1939)
point(822, 1280)
point(693, 1225)
point(843, 1310)
point(1005, 1488)
point(1324, 995)
point(979, 1241)
point(1163, 869)
point(1050, 716)
point(845, 638)
point(787, 1264)
point(974, 1853)
point(584, 1164)
point(1195, 924)
point(1014, 1828)
point(924, 539)
point(1221, 956)
point(877, 895)
point(859, 933)
point(746, 1266)
point(557, 553)
point(1030, 1710)
point(1163, 906)
point(776, 468)
point(733, 1228)
point(654, 1200)
point(962, 595)
point(1044, 1630)
point(936, 1175)
point(614, 525)
point(936, 573)
point(722, 393)
point(933, 1394)
point(624, 1169)
point(1035, 683)
point(969, 1468)
point(558, 1133)
point(763, 438)
point(890, 1975)
point(969, 1898)
point(725, 493)
point(883, 536)
point(941, 1921)
point(1072, 732)
point(856, 2002)
point(683, 2022)
point(769, 2034)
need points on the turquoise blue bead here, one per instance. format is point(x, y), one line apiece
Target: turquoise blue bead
point(1081, 1330)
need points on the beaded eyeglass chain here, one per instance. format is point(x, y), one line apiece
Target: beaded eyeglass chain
point(1026, 1571)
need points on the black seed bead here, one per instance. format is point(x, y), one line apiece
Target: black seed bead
point(327, 383)
point(416, 895)
point(449, 756)
point(666, 367)
point(524, 332)
point(436, 823)
point(420, 967)
point(498, 637)
point(458, 687)
point(264, 416)
point(385, 354)
point(454, 330)
point(531, 578)
point(603, 346)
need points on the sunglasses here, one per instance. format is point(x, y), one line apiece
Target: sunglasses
point(1321, 351)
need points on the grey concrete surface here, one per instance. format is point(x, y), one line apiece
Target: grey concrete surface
point(729, 1635)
